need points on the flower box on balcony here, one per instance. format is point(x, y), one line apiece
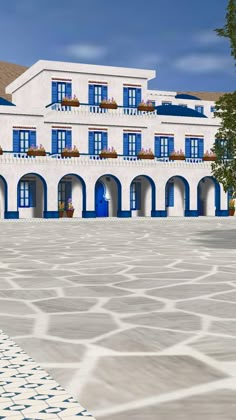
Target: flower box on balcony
point(108, 153)
point(108, 105)
point(1, 152)
point(209, 158)
point(146, 106)
point(70, 154)
point(145, 156)
point(70, 101)
point(176, 157)
point(36, 152)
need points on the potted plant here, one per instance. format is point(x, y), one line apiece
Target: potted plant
point(177, 155)
point(231, 207)
point(209, 156)
point(108, 153)
point(108, 103)
point(68, 101)
point(61, 208)
point(146, 106)
point(146, 154)
point(66, 152)
point(70, 209)
point(36, 151)
point(1, 152)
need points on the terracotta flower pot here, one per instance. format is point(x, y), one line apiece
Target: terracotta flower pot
point(36, 153)
point(72, 102)
point(70, 154)
point(69, 212)
point(146, 108)
point(231, 212)
point(177, 157)
point(145, 156)
point(61, 213)
point(108, 155)
point(108, 105)
point(209, 158)
point(1, 152)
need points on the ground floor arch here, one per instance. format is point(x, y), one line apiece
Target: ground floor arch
point(107, 196)
point(31, 196)
point(3, 197)
point(142, 196)
point(208, 196)
point(72, 187)
point(177, 194)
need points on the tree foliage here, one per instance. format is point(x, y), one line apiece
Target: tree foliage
point(224, 168)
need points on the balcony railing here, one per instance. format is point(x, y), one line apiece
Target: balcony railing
point(88, 157)
point(95, 109)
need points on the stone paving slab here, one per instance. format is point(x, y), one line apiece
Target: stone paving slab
point(134, 318)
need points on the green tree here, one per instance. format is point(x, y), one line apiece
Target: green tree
point(224, 168)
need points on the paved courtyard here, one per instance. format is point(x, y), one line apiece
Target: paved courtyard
point(134, 318)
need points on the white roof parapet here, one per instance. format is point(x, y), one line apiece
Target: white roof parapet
point(161, 93)
point(60, 66)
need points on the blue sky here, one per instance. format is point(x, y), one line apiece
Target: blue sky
point(174, 37)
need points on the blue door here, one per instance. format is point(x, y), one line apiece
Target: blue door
point(101, 204)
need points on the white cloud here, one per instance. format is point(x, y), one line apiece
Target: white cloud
point(146, 60)
point(207, 38)
point(204, 63)
point(86, 51)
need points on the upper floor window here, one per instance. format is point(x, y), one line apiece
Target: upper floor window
point(61, 139)
point(164, 146)
point(166, 103)
point(199, 108)
point(97, 93)
point(131, 144)
point(194, 147)
point(135, 196)
point(213, 108)
point(97, 142)
point(60, 90)
point(131, 97)
point(23, 140)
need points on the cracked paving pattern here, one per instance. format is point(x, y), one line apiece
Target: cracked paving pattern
point(135, 318)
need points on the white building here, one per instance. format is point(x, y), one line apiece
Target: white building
point(124, 186)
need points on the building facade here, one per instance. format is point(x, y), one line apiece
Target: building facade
point(125, 186)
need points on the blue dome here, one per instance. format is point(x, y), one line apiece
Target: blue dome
point(177, 110)
point(5, 102)
point(186, 96)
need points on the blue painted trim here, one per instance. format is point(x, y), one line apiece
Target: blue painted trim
point(50, 214)
point(222, 213)
point(124, 213)
point(89, 214)
point(158, 213)
point(11, 215)
point(191, 213)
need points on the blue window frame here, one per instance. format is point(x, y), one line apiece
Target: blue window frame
point(213, 108)
point(131, 144)
point(96, 94)
point(135, 196)
point(60, 140)
point(97, 142)
point(23, 139)
point(194, 147)
point(199, 108)
point(60, 90)
point(131, 97)
point(170, 194)
point(64, 191)
point(164, 146)
point(27, 194)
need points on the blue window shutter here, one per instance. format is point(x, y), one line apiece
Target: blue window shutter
point(32, 194)
point(138, 143)
point(32, 138)
point(68, 139)
point(104, 140)
point(125, 144)
point(68, 90)
point(200, 148)
point(125, 97)
point(91, 142)
point(170, 145)
point(157, 146)
point(187, 147)
point(104, 92)
point(54, 142)
point(16, 141)
point(138, 96)
point(91, 95)
point(54, 92)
